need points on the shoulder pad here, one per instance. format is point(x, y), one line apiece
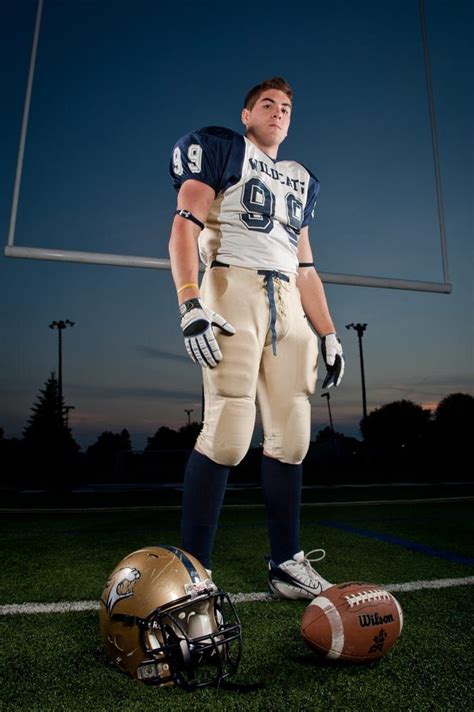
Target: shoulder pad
point(212, 155)
point(218, 132)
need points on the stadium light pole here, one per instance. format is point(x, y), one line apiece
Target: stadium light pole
point(60, 325)
point(188, 411)
point(360, 328)
point(328, 396)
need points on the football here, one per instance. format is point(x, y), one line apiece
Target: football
point(352, 622)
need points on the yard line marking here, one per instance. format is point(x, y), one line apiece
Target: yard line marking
point(398, 541)
point(177, 507)
point(74, 606)
point(59, 607)
point(410, 586)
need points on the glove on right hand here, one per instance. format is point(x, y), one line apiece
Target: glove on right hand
point(197, 321)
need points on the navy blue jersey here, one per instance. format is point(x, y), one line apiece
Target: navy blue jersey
point(260, 204)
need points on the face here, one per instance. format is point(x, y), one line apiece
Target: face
point(268, 122)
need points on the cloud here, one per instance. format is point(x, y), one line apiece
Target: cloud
point(150, 352)
point(432, 385)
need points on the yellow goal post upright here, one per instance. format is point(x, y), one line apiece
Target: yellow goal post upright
point(44, 253)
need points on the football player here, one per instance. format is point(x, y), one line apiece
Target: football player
point(251, 323)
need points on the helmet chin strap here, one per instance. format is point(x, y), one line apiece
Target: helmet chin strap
point(185, 654)
point(188, 680)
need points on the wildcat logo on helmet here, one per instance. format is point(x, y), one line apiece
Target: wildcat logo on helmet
point(120, 585)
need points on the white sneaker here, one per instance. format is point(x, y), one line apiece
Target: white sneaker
point(296, 578)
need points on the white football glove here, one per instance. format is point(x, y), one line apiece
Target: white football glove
point(197, 321)
point(334, 360)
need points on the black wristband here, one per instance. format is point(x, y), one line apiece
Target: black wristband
point(306, 264)
point(189, 216)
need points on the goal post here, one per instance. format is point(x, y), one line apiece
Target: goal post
point(42, 253)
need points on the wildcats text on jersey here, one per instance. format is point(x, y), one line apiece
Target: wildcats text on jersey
point(262, 167)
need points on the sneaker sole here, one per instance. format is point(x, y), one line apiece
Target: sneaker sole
point(293, 593)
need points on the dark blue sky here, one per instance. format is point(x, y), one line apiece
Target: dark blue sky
point(116, 84)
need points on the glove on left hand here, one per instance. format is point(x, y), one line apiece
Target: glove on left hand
point(334, 360)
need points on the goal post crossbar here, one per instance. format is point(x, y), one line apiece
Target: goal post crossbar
point(98, 258)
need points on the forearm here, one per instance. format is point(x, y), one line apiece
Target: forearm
point(313, 299)
point(184, 258)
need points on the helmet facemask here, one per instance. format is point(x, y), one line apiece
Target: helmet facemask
point(194, 643)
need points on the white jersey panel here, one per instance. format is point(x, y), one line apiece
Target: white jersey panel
point(255, 222)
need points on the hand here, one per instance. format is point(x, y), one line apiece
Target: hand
point(334, 360)
point(197, 321)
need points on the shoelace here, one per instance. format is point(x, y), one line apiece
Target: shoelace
point(314, 551)
point(311, 574)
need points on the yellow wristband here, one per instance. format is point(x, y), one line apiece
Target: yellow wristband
point(186, 286)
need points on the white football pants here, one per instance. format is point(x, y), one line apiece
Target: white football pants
point(282, 384)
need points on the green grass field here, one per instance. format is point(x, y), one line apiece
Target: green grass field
point(56, 661)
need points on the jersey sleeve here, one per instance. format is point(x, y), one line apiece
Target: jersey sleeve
point(313, 192)
point(212, 155)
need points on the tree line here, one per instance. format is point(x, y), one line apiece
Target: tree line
point(399, 439)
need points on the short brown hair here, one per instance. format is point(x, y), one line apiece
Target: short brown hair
point(275, 83)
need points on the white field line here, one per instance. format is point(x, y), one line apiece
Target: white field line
point(177, 507)
point(72, 606)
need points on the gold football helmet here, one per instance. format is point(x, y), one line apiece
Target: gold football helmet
point(165, 622)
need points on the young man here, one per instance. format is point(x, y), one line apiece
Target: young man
point(247, 325)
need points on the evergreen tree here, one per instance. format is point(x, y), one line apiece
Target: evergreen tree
point(48, 413)
point(51, 451)
point(11, 469)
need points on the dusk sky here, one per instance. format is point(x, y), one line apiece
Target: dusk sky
point(117, 83)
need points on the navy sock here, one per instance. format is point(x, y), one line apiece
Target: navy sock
point(204, 487)
point(281, 485)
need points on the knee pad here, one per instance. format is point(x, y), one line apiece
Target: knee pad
point(292, 444)
point(297, 433)
point(227, 430)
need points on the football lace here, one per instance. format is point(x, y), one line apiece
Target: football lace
point(355, 599)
